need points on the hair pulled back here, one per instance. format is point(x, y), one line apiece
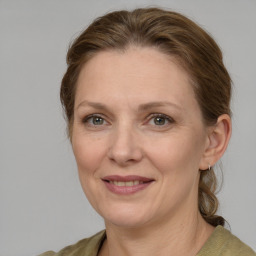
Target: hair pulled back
point(176, 36)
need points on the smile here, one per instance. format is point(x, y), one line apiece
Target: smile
point(125, 185)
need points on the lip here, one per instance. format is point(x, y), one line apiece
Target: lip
point(144, 182)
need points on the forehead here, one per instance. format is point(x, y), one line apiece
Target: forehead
point(144, 74)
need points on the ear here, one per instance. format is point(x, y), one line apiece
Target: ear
point(217, 141)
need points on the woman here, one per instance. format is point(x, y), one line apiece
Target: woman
point(147, 101)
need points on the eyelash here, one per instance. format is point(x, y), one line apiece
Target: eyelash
point(87, 118)
point(165, 117)
point(170, 120)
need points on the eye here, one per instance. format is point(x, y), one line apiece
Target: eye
point(97, 120)
point(160, 120)
point(94, 120)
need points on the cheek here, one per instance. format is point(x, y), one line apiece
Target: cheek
point(177, 155)
point(88, 152)
point(178, 166)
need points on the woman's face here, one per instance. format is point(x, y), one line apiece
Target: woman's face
point(138, 137)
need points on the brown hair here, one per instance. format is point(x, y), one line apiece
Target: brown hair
point(176, 36)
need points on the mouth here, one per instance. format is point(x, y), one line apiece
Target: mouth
point(126, 185)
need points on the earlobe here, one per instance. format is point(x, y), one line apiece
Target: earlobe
point(218, 139)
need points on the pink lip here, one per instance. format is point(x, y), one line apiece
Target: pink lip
point(126, 178)
point(126, 190)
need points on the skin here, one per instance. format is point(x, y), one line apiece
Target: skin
point(147, 122)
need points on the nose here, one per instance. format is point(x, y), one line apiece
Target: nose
point(125, 146)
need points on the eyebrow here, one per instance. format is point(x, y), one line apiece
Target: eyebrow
point(156, 104)
point(141, 108)
point(92, 104)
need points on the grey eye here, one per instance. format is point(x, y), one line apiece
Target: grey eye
point(159, 120)
point(97, 120)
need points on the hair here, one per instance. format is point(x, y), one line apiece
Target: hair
point(176, 36)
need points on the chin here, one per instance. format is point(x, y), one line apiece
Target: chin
point(125, 217)
point(125, 222)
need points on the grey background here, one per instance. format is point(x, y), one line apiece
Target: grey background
point(42, 206)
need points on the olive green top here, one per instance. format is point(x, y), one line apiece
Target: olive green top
point(221, 243)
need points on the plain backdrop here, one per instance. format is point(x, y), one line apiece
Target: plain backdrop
point(42, 206)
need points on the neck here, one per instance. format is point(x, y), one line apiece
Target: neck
point(173, 237)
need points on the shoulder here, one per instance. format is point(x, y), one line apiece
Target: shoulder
point(223, 243)
point(85, 247)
